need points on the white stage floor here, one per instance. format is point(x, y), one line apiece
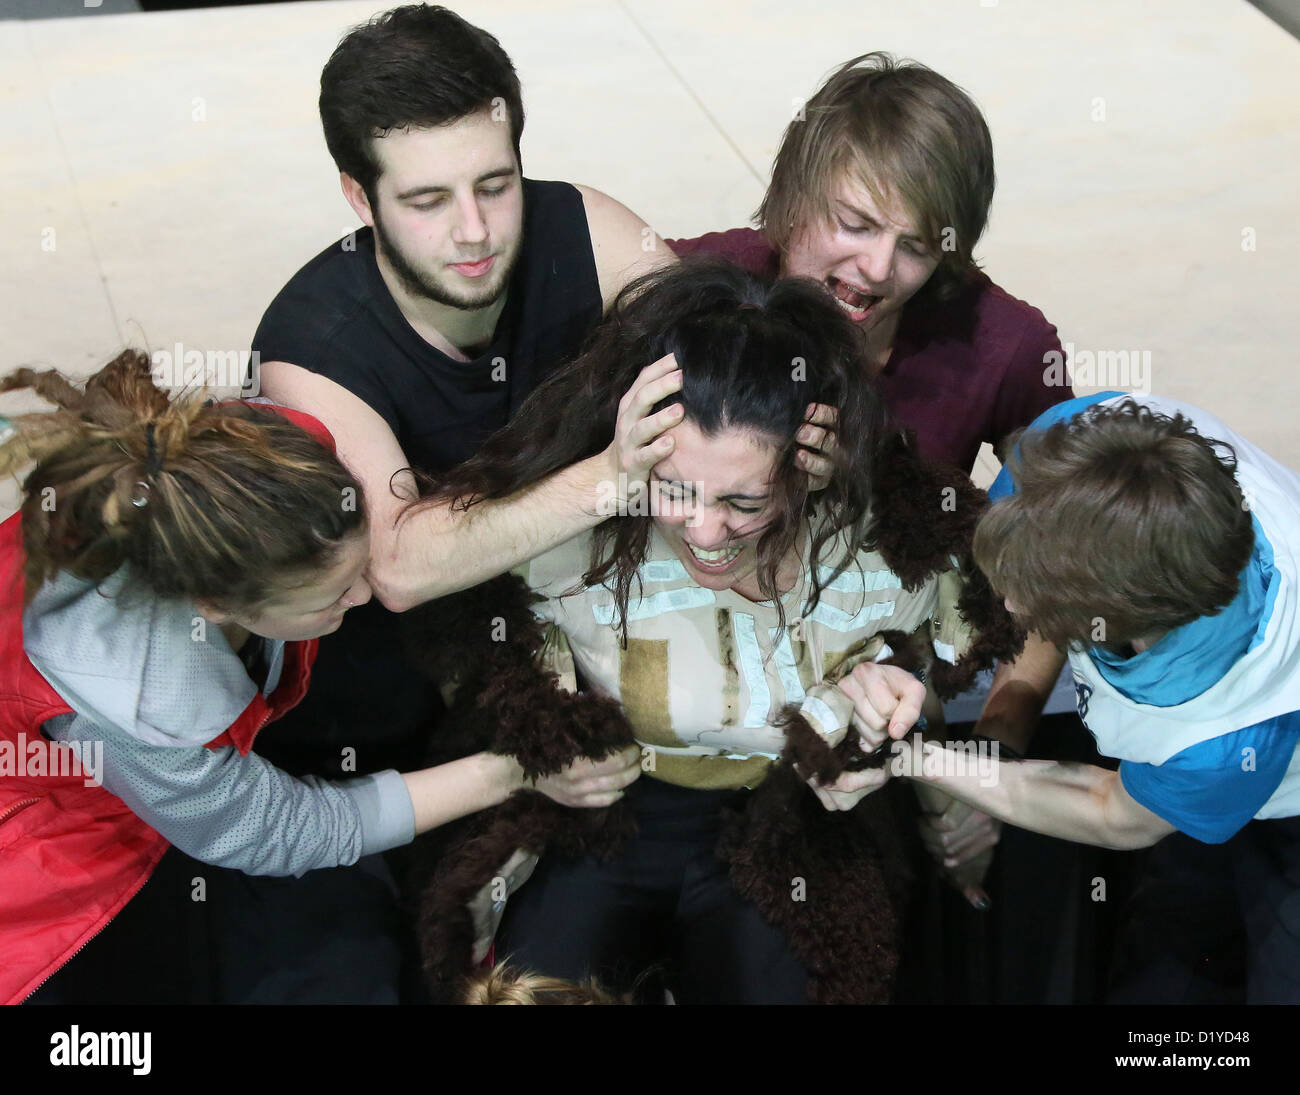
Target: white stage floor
point(165, 173)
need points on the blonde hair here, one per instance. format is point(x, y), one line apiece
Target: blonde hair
point(895, 126)
point(506, 984)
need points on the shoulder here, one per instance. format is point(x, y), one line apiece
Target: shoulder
point(746, 247)
point(624, 246)
point(1211, 789)
point(1066, 411)
point(149, 667)
point(327, 294)
point(995, 326)
point(999, 309)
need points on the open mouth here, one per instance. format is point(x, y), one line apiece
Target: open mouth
point(714, 561)
point(858, 303)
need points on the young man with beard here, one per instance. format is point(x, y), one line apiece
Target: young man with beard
point(419, 335)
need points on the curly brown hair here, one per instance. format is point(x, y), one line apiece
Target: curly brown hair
point(1125, 523)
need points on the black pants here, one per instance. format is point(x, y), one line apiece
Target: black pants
point(197, 934)
point(1049, 934)
point(664, 908)
point(1215, 923)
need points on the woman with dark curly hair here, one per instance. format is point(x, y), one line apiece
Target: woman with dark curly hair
point(714, 604)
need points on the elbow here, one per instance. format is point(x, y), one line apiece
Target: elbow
point(1128, 839)
point(1129, 830)
point(388, 583)
point(391, 596)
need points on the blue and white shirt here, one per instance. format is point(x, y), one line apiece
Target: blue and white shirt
point(1206, 721)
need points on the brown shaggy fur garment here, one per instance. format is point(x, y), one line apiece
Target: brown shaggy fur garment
point(834, 883)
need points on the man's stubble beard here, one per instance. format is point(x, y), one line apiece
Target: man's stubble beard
point(422, 285)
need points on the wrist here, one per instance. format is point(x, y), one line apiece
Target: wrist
point(596, 480)
point(506, 775)
point(909, 757)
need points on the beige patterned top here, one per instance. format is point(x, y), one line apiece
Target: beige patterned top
point(704, 672)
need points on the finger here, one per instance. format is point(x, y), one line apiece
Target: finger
point(646, 457)
point(824, 796)
point(971, 849)
point(867, 716)
point(886, 691)
point(977, 897)
point(811, 436)
point(822, 414)
point(969, 832)
point(602, 784)
point(586, 767)
point(597, 801)
point(818, 467)
point(871, 738)
point(850, 782)
point(941, 823)
point(956, 809)
point(656, 370)
point(650, 389)
point(647, 430)
point(911, 698)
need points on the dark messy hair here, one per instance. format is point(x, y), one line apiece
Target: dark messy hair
point(414, 66)
point(225, 502)
point(753, 356)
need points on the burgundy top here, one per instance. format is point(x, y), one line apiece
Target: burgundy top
point(962, 372)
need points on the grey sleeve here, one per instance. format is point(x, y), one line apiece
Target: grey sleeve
point(241, 811)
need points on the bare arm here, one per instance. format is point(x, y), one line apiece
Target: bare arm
point(434, 551)
point(465, 786)
point(1078, 802)
point(624, 246)
point(1020, 689)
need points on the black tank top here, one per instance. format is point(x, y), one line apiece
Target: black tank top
point(337, 318)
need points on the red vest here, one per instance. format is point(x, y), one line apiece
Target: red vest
point(72, 856)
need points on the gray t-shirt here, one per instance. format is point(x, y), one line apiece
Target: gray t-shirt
point(153, 682)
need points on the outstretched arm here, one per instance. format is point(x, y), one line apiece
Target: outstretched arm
point(1078, 802)
point(432, 551)
point(244, 813)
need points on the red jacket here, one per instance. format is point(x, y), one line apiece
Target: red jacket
point(72, 856)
